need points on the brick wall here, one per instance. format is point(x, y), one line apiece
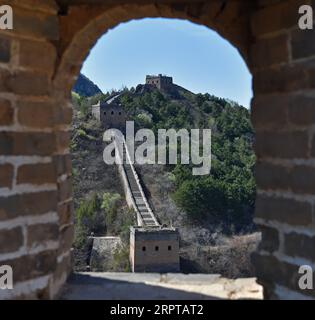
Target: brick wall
point(154, 250)
point(283, 114)
point(35, 190)
point(39, 62)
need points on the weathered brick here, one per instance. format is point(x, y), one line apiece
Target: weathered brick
point(5, 50)
point(35, 114)
point(6, 113)
point(271, 271)
point(25, 82)
point(284, 210)
point(65, 189)
point(299, 245)
point(32, 266)
point(66, 213)
point(286, 144)
point(28, 83)
point(310, 74)
point(282, 79)
point(11, 240)
point(302, 179)
point(63, 140)
point(27, 204)
point(40, 233)
point(40, 173)
point(313, 147)
point(39, 5)
point(267, 52)
point(270, 111)
point(63, 164)
point(66, 239)
point(37, 55)
point(6, 175)
point(280, 16)
point(4, 75)
point(63, 268)
point(301, 111)
point(36, 25)
point(303, 43)
point(63, 115)
point(277, 177)
point(270, 239)
point(27, 143)
point(272, 177)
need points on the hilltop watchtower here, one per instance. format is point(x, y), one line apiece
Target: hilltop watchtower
point(154, 249)
point(159, 81)
point(110, 113)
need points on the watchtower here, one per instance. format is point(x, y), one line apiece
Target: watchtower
point(110, 113)
point(154, 249)
point(159, 81)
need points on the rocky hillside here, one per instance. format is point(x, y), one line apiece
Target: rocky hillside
point(85, 87)
point(98, 196)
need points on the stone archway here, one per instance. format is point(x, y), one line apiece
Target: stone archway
point(39, 61)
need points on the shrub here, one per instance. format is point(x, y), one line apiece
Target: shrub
point(110, 203)
point(128, 220)
point(200, 197)
point(89, 216)
point(121, 261)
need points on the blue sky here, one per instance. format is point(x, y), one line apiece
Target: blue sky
point(196, 57)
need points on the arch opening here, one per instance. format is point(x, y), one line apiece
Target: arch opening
point(38, 68)
point(127, 96)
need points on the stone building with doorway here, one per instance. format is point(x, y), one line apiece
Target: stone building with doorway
point(160, 81)
point(110, 113)
point(154, 249)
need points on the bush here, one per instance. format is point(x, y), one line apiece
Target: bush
point(110, 203)
point(127, 220)
point(84, 106)
point(202, 197)
point(80, 236)
point(87, 209)
point(121, 260)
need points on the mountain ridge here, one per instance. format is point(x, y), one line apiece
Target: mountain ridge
point(86, 87)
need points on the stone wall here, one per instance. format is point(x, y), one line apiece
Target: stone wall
point(154, 250)
point(283, 116)
point(36, 228)
point(112, 116)
point(124, 181)
point(160, 81)
point(103, 253)
point(39, 62)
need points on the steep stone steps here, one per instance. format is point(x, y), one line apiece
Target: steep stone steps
point(140, 202)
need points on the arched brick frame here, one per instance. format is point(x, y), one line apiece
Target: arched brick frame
point(39, 61)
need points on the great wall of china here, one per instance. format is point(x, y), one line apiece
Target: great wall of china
point(36, 78)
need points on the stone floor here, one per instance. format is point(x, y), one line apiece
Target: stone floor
point(153, 286)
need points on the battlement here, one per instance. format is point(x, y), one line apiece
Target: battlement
point(160, 81)
point(154, 249)
point(110, 113)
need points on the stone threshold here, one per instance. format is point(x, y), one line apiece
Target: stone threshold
point(155, 286)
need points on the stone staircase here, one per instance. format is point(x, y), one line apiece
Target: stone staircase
point(141, 204)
